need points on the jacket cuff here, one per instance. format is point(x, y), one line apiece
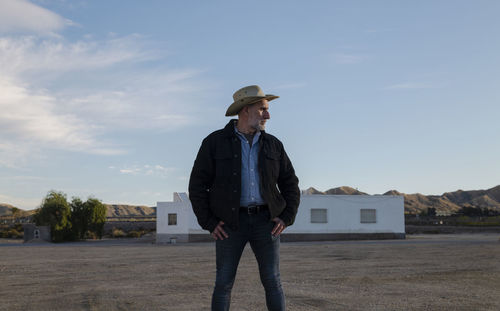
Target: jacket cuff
point(286, 219)
point(211, 224)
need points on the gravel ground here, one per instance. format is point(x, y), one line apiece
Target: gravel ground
point(423, 272)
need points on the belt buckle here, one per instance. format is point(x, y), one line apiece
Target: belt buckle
point(252, 209)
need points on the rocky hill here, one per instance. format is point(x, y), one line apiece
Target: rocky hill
point(114, 210)
point(447, 202)
point(6, 210)
point(339, 190)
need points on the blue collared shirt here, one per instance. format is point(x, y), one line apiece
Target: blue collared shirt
point(250, 180)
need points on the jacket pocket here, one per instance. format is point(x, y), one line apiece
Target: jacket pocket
point(273, 164)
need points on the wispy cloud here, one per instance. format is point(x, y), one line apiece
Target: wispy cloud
point(348, 58)
point(30, 55)
point(378, 30)
point(296, 85)
point(67, 95)
point(24, 16)
point(409, 86)
point(144, 170)
point(31, 117)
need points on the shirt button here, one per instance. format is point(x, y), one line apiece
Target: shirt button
point(234, 190)
point(233, 209)
point(234, 173)
point(235, 155)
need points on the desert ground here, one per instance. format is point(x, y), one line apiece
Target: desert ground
point(423, 272)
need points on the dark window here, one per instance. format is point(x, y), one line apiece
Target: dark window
point(318, 216)
point(368, 216)
point(172, 219)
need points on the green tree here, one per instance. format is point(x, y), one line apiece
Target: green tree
point(97, 212)
point(15, 211)
point(80, 217)
point(55, 213)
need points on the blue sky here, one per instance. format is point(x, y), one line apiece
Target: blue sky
point(111, 99)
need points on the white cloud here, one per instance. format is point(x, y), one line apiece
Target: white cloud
point(31, 117)
point(145, 170)
point(24, 16)
point(58, 94)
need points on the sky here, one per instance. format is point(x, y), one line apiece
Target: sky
point(111, 99)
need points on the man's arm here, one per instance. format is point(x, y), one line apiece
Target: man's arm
point(200, 182)
point(288, 184)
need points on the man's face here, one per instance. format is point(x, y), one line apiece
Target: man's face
point(258, 114)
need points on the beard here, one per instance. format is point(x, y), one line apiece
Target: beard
point(259, 125)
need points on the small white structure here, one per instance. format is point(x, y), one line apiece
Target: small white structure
point(320, 217)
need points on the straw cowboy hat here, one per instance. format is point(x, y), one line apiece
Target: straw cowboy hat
point(247, 96)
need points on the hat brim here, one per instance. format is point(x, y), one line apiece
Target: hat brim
point(235, 107)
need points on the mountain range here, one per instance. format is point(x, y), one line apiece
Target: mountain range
point(448, 202)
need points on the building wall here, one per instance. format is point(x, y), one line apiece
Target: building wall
point(343, 214)
point(343, 219)
point(181, 206)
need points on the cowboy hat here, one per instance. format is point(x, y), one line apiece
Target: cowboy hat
point(247, 96)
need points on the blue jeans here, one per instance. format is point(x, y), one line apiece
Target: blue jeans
point(255, 229)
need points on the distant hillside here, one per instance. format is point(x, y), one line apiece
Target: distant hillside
point(114, 210)
point(6, 210)
point(447, 202)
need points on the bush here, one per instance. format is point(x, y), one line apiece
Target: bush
point(14, 234)
point(118, 233)
point(135, 234)
point(90, 235)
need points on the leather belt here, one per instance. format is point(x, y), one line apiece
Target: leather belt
point(253, 209)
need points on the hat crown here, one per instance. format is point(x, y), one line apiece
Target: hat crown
point(246, 96)
point(248, 91)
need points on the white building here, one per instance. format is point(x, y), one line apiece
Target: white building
point(320, 217)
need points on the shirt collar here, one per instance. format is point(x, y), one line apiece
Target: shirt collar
point(255, 138)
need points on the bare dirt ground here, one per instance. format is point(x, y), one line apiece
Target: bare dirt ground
point(423, 272)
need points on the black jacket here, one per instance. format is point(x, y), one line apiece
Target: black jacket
point(215, 182)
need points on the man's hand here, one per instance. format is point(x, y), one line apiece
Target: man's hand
point(279, 227)
point(219, 233)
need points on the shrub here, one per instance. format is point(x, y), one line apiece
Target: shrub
point(118, 233)
point(135, 234)
point(90, 235)
point(14, 234)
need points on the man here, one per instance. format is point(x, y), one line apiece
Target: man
point(243, 189)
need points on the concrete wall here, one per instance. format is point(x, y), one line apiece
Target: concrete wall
point(128, 226)
point(43, 233)
point(343, 219)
